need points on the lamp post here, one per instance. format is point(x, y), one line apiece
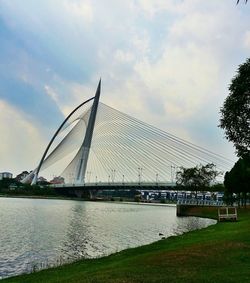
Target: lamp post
point(71, 178)
point(172, 173)
point(88, 176)
point(139, 174)
point(156, 178)
point(113, 175)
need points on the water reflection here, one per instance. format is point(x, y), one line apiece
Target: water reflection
point(45, 231)
point(76, 239)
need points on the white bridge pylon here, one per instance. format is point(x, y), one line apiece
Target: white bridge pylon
point(102, 144)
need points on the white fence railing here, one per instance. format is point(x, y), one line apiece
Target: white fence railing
point(200, 202)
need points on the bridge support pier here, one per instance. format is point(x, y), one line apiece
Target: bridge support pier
point(86, 194)
point(82, 194)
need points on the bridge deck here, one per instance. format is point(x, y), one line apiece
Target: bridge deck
point(117, 185)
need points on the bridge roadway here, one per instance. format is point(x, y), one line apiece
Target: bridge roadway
point(94, 186)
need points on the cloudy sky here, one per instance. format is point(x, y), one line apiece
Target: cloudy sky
point(166, 62)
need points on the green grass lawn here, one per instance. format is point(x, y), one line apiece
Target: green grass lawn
point(219, 253)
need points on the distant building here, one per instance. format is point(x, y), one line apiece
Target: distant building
point(42, 180)
point(57, 180)
point(5, 175)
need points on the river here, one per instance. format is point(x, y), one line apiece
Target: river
point(40, 232)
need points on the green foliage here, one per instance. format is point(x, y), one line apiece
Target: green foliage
point(14, 187)
point(239, 1)
point(6, 183)
point(196, 178)
point(137, 198)
point(238, 179)
point(217, 188)
point(235, 113)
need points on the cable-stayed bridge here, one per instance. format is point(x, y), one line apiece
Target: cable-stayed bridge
point(101, 146)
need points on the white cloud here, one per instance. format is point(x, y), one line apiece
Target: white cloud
point(21, 141)
point(247, 40)
point(141, 43)
point(51, 92)
point(123, 57)
point(183, 77)
point(151, 8)
point(77, 93)
point(82, 10)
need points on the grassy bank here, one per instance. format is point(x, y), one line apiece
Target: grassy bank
point(219, 253)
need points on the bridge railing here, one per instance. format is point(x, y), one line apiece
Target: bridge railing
point(117, 184)
point(200, 202)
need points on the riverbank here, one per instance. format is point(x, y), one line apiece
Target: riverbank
point(219, 253)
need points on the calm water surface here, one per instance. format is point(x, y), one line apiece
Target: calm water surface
point(36, 232)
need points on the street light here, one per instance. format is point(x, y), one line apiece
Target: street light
point(172, 173)
point(156, 178)
point(113, 175)
point(139, 174)
point(71, 178)
point(88, 176)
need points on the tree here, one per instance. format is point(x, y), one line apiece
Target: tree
point(235, 113)
point(238, 180)
point(230, 184)
point(197, 178)
point(239, 1)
